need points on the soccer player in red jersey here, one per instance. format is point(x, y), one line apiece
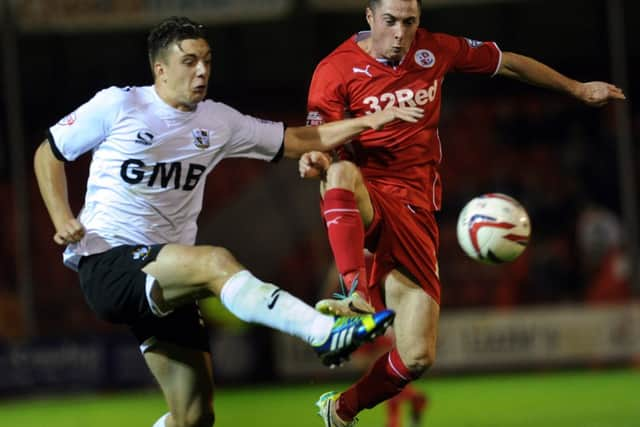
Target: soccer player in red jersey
point(382, 192)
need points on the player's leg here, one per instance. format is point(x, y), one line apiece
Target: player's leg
point(419, 403)
point(394, 405)
point(393, 411)
point(415, 329)
point(183, 273)
point(175, 346)
point(186, 379)
point(347, 210)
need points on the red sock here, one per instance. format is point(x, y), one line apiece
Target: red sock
point(405, 395)
point(386, 378)
point(410, 394)
point(417, 398)
point(346, 235)
point(393, 410)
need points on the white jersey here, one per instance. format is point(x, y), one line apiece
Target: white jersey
point(149, 164)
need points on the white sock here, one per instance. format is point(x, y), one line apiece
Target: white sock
point(161, 421)
point(253, 300)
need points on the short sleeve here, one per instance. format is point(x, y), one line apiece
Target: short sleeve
point(86, 127)
point(326, 100)
point(472, 56)
point(252, 137)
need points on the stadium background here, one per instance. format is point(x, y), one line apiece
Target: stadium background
point(568, 303)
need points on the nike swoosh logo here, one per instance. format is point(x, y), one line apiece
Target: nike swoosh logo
point(274, 298)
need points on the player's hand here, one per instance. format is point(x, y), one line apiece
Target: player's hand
point(71, 231)
point(380, 118)
point(313, 164)
point(597, 94)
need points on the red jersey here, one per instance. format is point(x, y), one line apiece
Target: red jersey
point(402, 158)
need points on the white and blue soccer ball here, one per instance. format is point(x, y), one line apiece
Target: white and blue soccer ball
point(493, 228)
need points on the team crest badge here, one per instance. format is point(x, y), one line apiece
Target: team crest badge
point(200, 138)
point(425, 58)
point(141, 252)
point(314, 118)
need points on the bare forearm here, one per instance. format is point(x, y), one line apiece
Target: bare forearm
point(595, 93)
point(326, 137)
point(299, 140)
point(52, 182)
point(530, 71)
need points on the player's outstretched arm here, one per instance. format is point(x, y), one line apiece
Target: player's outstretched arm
point(299, 140)
point(530, 71)
point(52, 182)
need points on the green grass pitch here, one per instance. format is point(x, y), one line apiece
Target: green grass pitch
point(562, 399)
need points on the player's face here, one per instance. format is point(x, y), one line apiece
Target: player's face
point(184, 73)
point(393, 26)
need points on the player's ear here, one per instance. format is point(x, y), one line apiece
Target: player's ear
point(368, 13)
point(159, 70)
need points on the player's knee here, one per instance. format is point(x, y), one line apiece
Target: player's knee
point(221, 259)
point(418, 368)
point(419, 362)
point(215, 265)
point(343, 174)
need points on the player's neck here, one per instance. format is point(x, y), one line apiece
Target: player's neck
point(167, 97)
point(367, 46)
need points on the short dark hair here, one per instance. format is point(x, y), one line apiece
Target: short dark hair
point(171, 30)
point(373, 4)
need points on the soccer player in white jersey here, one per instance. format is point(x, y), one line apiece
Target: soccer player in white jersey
point(133, 242)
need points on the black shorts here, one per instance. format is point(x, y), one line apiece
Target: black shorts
point(114, 284)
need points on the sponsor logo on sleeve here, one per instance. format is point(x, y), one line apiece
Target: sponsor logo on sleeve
point(314, 118)
point(201, 138)
point(144, 137)
point(473, 43)
point(425, 58)
point(68, 120)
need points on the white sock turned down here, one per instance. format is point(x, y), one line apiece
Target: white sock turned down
point(161, 421)
point(253, 300)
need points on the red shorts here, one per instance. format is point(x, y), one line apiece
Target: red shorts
point(401, 237)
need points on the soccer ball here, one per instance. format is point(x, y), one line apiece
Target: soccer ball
point(493, 228)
